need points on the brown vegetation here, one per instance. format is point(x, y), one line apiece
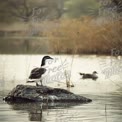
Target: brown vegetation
point(86, 36)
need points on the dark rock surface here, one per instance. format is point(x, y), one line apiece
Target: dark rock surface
point(27, 93)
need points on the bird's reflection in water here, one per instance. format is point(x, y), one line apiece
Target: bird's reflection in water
point(35, 110)
point(36, 115)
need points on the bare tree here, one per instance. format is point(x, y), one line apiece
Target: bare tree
point(23, 9)
point(28, 9)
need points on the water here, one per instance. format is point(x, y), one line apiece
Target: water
point(106, 92)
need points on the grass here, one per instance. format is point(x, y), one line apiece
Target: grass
point(85, 36)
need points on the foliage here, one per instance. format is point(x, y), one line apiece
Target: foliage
point(14, 10)
point(118, 3)
point(86, 36)
point(77, 8)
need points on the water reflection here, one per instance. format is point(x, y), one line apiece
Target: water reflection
point(36, 110)
point(66, 112)
point(104, 92)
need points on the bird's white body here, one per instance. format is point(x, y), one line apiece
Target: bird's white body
point(36, 73)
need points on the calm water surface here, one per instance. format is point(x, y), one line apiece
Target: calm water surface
point(106, 92)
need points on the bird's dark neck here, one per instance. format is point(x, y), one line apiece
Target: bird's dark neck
point(43, 62)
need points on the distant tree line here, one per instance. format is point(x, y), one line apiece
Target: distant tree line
point(25, 10)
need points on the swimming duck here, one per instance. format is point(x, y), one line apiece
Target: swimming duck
point(92, 76)
point(36, 73)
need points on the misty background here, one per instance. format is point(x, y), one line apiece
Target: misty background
point(47, 26)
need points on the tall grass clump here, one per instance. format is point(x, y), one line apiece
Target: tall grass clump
point(85, 36)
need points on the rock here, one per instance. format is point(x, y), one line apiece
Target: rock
point(27, 93)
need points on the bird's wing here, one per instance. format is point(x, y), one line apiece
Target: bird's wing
point(34, 70)
point(42, 70)
point(37, 73)
point(87, 76)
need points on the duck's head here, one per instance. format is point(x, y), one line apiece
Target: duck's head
point(95, 72)
point(44, 60)
point(46, 57)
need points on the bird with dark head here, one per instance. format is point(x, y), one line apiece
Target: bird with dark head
point(92, 76)
point(36, 73)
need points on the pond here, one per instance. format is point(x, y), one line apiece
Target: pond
point(106, 91)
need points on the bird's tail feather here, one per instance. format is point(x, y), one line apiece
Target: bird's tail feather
point(81, 73)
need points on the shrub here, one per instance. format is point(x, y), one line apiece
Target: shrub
point(85, 36)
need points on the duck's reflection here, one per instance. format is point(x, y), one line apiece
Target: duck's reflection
point(35, 110)
point(36, 115)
